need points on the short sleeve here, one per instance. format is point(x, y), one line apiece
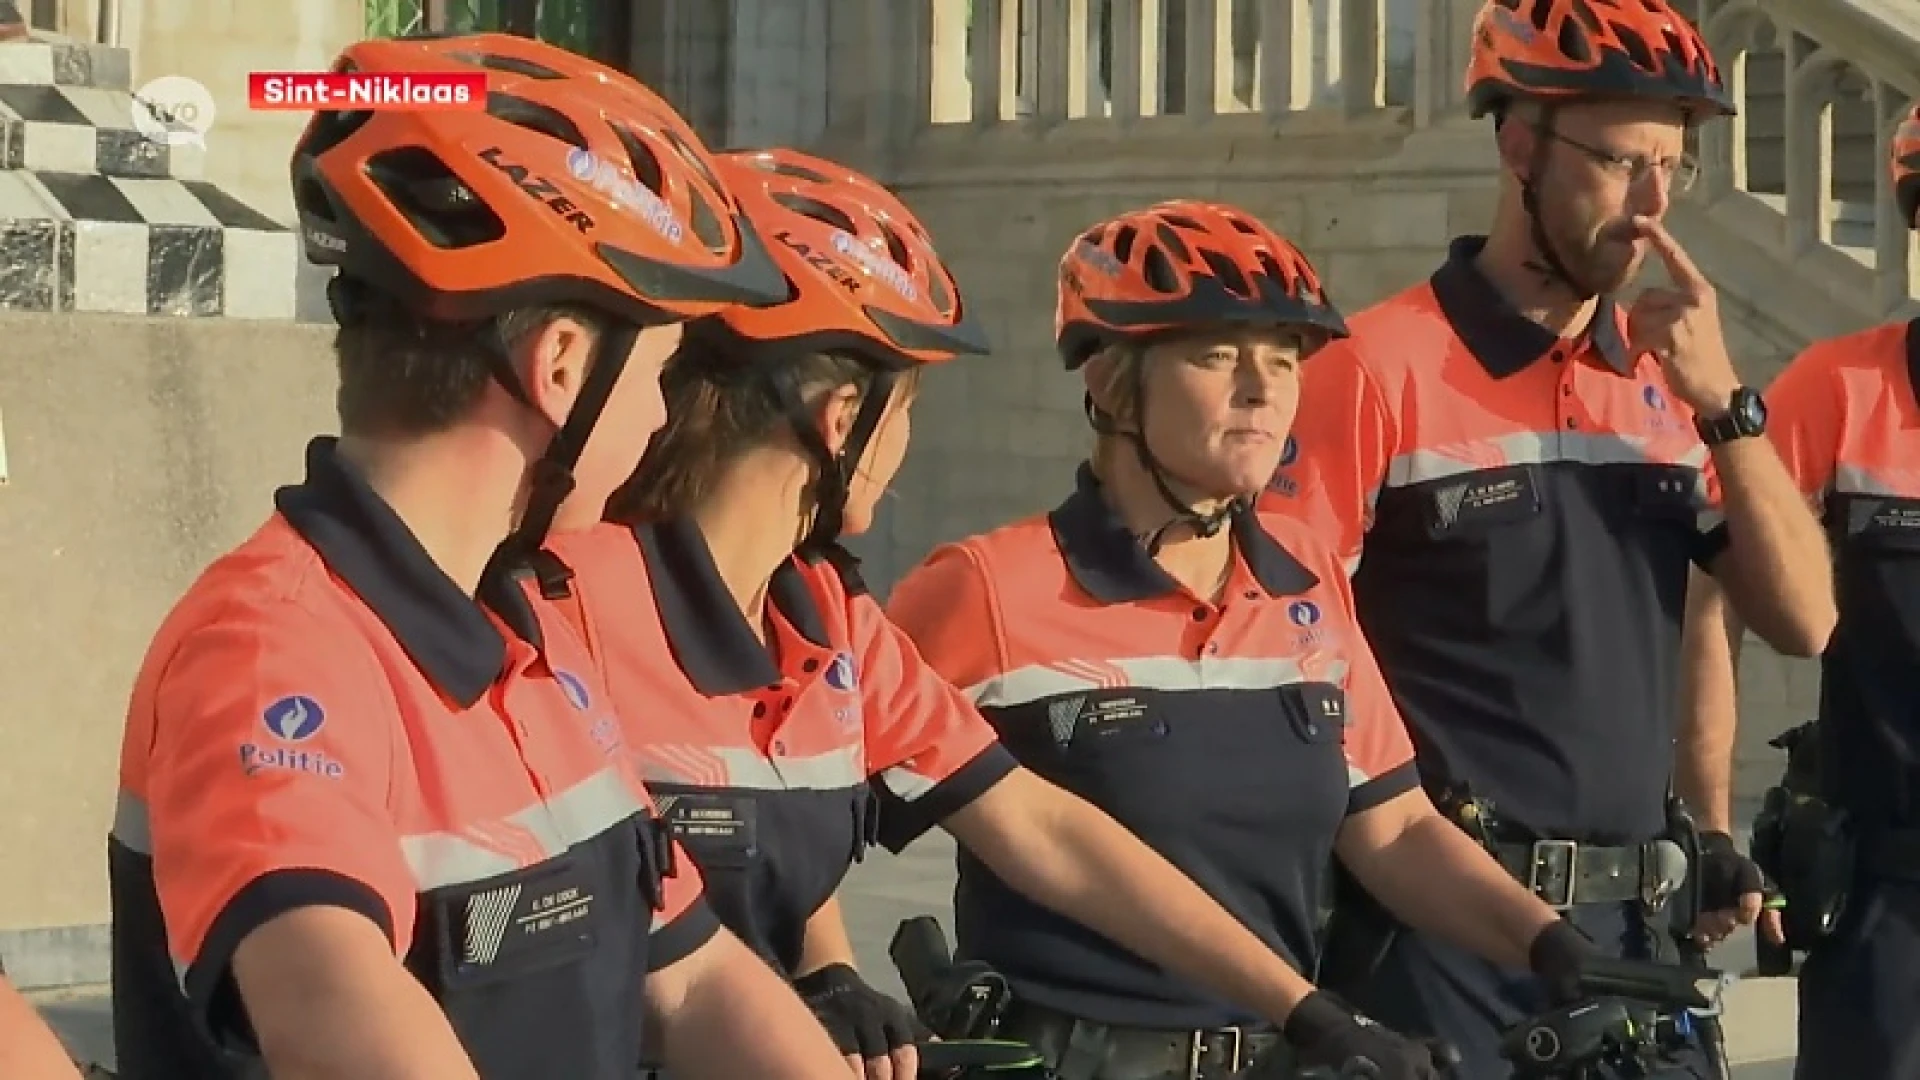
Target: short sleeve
point(1338, 453)
point(947, 608)
point(1380, 759)
point(684, 922)
point(267, 783)
point(930, 750)
point(1806, 418)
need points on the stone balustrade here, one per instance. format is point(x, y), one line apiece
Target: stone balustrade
point(1820, 83)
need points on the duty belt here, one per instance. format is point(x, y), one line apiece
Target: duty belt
point(1080, 1049)
point(1563, 873)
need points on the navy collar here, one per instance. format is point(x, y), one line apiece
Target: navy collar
point(366, 545)
point(1499, 336)
point(1108, 563)
point(712, 642)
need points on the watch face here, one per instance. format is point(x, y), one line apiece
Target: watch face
point(1751, 410)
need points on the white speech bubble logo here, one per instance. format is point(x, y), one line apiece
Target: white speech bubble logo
point(174, 110)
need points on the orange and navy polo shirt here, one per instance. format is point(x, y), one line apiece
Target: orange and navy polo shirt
point(1846, 421)
point(1232, 736)
point(777, 763)
point(1519, 512)
point(326, 718)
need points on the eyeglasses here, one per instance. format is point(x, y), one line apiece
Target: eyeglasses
point(1681, 172)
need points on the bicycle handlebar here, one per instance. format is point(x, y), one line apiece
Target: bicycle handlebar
point(1636, 1011)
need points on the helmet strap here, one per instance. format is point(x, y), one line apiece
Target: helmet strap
point(551, 480)
point(1202, 525)
point(833, 473)
point(1550, 266)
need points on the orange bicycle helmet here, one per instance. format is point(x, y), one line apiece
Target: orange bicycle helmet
point(1556, 50)
point(1179, 265)
point(575, 184)
point(862, 275)
point(1906, 168)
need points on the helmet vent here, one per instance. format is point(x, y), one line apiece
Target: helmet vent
point(794, 171)
point(707, 224)
point(1172, 240)
point(939, 295)
point(815, 209)
point(535, 117)
point(1573, 42)
point(1637, 49)
point(1228, 274)
point(1540, 12)
point(897, 248)
point(330, 129)
point(1123, 242)
point(646, 167)
point(512, 65)
point(1182, 221)
point(1160, 274)
point(435, 201)
point(1583, 11)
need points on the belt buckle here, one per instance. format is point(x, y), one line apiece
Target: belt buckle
point(1554, 859)
point(1203, 1041)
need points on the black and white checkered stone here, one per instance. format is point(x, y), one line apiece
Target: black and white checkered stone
point(80, 242)
point(75, 129)
point(96, 217)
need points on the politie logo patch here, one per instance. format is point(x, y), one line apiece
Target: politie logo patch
point(840, 673)
point(292, 722)
point(296, 718)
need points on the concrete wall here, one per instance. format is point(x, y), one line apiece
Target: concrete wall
point(136, 451)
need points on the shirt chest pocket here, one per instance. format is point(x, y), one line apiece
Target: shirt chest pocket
point(719, 829)
point(1477, 505)
point(514, 925)
point(1666, 494)
point(1875, 527)
point(1316, 713)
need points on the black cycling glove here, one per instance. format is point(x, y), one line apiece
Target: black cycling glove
point(1725, 874)
point(1324, 1033)
point(862, 1021)
point(1558, 956)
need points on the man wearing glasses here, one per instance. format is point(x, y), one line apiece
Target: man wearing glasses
point(1523, 475)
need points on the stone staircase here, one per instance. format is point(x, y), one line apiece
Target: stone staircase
point(98, 217)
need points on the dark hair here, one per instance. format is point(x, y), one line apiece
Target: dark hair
point(720, 404)
point(403, 376)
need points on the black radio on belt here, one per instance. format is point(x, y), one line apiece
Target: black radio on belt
point(955, 1001)
point(1807, 848)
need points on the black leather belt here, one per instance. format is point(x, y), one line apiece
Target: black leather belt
point(1077, 1049)
point(1563, 873)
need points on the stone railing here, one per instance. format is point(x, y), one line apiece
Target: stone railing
point(1801, 171)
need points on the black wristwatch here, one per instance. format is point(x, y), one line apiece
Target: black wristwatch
point(1745, 418)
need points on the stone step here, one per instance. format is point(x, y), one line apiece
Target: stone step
point(74, 242)
point(73, 129)
point(45, 60)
